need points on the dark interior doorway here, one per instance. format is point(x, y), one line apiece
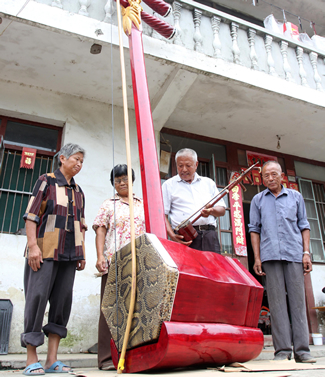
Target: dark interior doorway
point(264, 319)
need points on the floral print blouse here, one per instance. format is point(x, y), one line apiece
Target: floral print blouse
point(105, 217)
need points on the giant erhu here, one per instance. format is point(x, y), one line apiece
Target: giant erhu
point(191, 307)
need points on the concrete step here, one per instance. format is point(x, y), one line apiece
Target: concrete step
point(74, 360)
point(268, 352)
point(87, 360)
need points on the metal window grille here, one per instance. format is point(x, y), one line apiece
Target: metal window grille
point(16, 186)
point(203, 169)
point(224, 230)
point(224, 223)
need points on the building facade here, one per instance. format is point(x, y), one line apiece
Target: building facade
point(224, 86)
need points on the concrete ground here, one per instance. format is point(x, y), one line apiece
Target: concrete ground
point(12, 365)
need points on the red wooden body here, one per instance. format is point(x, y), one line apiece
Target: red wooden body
point(213, 288)
point(214, 316)
point(186, 344)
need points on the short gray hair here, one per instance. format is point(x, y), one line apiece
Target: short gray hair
point(186, 151)
point(271, 162)
point(70, 149)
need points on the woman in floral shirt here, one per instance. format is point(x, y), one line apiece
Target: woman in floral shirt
point(106, 225)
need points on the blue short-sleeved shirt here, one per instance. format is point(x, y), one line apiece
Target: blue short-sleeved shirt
point(279, 221)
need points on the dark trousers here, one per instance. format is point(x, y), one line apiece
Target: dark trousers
point(104, 335)
point(53, 282)
point(207, 240)
point(282, 277)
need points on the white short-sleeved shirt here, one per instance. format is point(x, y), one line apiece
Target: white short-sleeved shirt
point(182, 199)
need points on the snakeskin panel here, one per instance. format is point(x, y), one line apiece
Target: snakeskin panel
point(157, 277)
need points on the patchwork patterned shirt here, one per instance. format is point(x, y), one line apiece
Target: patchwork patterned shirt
point(58, 209)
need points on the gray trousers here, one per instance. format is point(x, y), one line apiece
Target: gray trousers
point(53, 282)
point(206, 240)
point(282, 277)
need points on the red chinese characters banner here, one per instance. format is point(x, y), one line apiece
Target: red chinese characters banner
point(248, 178)
point(253, 157)
point(285, 182)
point(238, 225)
point(257, 179)
point(294, 186)
point(28, 158)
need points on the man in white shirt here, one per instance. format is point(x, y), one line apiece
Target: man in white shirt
point(184, 194)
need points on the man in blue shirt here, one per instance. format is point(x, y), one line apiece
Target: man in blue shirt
point(280, 235)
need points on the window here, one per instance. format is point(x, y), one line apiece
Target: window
point(16, 187)
point(219, 175)
point(203, 149)
point(242, 159)
point(2, 152)
point(26, 135)
point(16, 184)
point(319, 192)
point(313, 207)
point(224, 222)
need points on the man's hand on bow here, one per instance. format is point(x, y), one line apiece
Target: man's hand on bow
point(207, 211)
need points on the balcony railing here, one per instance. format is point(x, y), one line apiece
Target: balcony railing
point(222, 36)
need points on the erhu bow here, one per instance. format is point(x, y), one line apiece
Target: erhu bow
point(186, 229)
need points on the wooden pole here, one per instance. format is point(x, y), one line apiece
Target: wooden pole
point(128, 158)
point(151, 185)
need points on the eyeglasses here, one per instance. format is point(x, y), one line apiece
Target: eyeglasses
point(118, 181)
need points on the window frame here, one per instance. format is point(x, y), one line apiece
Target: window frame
point(221, 165)
point(3, 127)
point(12, 153)
point(317, 218)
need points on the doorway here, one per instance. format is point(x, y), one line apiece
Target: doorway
point(264, 322)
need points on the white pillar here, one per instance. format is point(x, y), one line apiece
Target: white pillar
point(286, 66)
point(252, 53)
point(318, 81)
point(198, 40)
point(235, 47)
point(302, 72)
point(215, 24)
point(270, 61)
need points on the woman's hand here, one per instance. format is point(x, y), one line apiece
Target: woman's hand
point(81, 264)
point(101, 264)
point(35, 257)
